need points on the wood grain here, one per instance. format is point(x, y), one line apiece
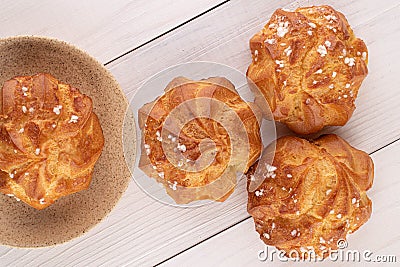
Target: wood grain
point(105, 29)
point(141, 231)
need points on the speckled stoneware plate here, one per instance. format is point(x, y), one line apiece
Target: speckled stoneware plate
point(71, 216)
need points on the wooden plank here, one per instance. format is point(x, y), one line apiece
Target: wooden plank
point(240, 245)
point(141, 231)
point(105, 29)
point(374, 21)
point(229, 45)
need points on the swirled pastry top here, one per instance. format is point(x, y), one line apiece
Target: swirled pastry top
point(309, 66)
point(50, 140)
point(312, 195)
point(197, 136)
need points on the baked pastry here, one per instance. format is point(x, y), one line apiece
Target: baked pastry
point(308, 66)
point(50, 140)
point(311, 196)
point(197, 136)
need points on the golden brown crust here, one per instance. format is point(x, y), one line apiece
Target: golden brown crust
point(309, 66)
point(315, 194)
point(49, 140)
point(180, 121)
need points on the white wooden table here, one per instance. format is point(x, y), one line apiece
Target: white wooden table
point(136, 39)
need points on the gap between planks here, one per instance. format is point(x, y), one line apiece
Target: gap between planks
point(167, 32)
